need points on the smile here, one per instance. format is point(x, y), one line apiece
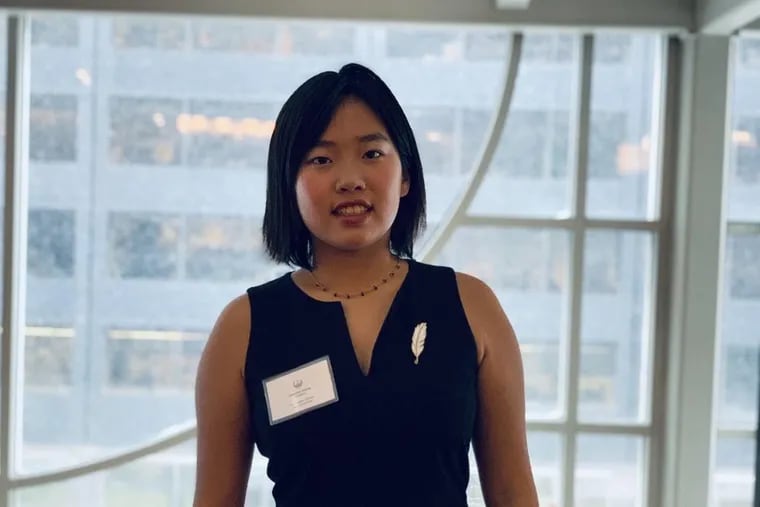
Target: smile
point(349, 211)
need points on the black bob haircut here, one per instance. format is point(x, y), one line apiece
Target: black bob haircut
point(302, 121)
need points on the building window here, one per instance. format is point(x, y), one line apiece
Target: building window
point(534, 259)
point(149, 359)
point(56, 32)
point(740, 367)
point(318, 40)
point(486, 46)
point(749, 50)
point(541, 364)
point(746, 140)
point(547, 48)
point(534, 145)
point(424, 44)
point(48, 356)
point(744, 265)
point(434, 132)
point(145, 131)
point(249, 37)
point(608, 137)
point(228, 134)
point(475, 124)
point(53, 128)
point(602, 262)
point(223, 248)
point(597, 376)
point(612, 48)
point(143, 246)
point(51, 243)
point(148, 34)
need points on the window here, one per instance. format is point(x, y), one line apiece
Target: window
point(48, 356)
point(434, 132)
point(228, 134)
point(53, 128)
point(148, 34)
point(598, 370)
point(428, 44)
point(548, 48)
point(153, 359)
point(486, 46)
point(744, 265)
point(746, 141)
point(143, 246)
point(603, 256)
point(749, 51)
point(51, 243)
point(534, 260)
point(608, 135)
point(740, 367)
point(612, 48)
point(541, 366)
point(223, 248)
point(145, 131)
point(318, 40)
point(534, 145)
point(474, 128)
point(250, 37)
point(55, 31)
point(736, 403)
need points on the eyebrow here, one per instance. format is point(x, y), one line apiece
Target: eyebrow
point(367, 138)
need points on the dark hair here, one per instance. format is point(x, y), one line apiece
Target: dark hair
point(302, 121)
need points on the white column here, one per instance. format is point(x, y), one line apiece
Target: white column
point(698, 244)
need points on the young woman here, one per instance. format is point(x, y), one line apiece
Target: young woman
point(364, 375)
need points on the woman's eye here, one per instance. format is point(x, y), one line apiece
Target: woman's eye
point(373, 154)
point(319, 160)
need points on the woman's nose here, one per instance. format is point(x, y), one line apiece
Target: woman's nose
point(349, 182)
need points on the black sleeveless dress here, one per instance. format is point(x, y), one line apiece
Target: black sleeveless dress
point(399, 435)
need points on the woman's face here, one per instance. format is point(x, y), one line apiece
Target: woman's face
point(349, 185)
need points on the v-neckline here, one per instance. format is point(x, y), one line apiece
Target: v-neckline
point(344, 321)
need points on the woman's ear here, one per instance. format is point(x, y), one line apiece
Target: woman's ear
point(404, 187)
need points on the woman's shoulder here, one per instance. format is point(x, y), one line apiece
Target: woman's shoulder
point(275, 280)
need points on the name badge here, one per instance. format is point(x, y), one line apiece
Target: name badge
point(300, 390)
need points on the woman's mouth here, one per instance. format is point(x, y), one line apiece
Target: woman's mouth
point(352, 211)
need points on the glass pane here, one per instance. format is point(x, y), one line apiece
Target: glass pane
point(737, 360)
point(527, 269)
point(55, 31)
point(147, 188)
point(234, 35)
point(740, 343)
point(744, 166)
point(145, 33)
point(531, 171)
point(625, 78)
point(614, 365)
point(166, 479)
point(609, 471)
point(546, 457)
point(734, 474)
point(450, 101)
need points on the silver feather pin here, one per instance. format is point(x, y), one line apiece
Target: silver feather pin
point(418, 341)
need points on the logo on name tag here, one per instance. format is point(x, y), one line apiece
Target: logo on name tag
point(298, 383)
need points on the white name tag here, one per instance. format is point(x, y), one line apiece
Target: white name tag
point(300, 390)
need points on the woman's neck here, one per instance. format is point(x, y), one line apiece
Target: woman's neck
point(352, 271)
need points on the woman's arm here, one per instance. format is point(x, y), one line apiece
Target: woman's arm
point(500, 439)
point(225, 438)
